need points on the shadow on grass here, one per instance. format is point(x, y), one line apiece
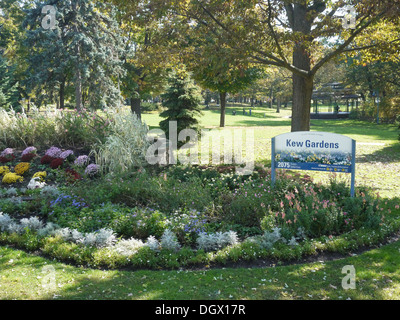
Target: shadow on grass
point(388, 154)
point(355, 127)
point(376, 272)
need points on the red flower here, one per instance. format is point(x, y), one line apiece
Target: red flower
point(46, 159)
point(27, 157)
point(7, 159)
point(72, 175)
point(56, 163)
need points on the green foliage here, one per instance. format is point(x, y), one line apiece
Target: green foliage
point(182, 101)
point(9, 95)
point(83, 50)
point(126, 146)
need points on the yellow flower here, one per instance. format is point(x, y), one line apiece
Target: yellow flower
point(21, 168)
point(41, 175)
point(4, 170)
point(12, 177)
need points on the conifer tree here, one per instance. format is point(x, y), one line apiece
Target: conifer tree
point(182, 101)
point(9, 95)
point(80, 47)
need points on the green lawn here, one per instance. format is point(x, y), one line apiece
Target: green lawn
point(377, 271)
point(377, 276)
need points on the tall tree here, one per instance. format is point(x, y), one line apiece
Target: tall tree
point(9, 95)
point(146, 65)
point(12, 34)
point(81, 44)
point(217, 69)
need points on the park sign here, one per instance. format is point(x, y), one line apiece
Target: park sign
point(317, 151)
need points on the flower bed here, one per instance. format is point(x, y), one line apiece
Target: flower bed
point(55, 164)
point(191, 216)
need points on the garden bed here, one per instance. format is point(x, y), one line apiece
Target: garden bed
point(186, 217)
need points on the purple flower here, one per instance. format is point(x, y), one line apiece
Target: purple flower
point(66, 154)
point(81, 160)
point(53, 152)
point(92, 169)
point(29, 150)
point(7, 152)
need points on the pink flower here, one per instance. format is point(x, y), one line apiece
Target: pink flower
point(29, 150)
point(53, 152)
point(92, 169)
point(66, 154)
point(7, 152)
point(81, 160)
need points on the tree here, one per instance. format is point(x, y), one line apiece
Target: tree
point(145, 64)
point(215, 69)
point(9, 95)
point(12, 34)
point(287, 34)
point(182, 101)
point(82, 47)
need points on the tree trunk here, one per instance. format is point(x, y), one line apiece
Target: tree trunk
point(78, 74)
point(62, 94)
point(302, 85)
point(278, 106)
point(136, 107)
point(78, 90)
point(222, 96)
point(78, 81)
point(271, 98)
point(302, 94)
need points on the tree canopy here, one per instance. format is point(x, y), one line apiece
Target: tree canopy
point(300, 36)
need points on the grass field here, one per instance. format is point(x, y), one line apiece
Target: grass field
point(377, 270)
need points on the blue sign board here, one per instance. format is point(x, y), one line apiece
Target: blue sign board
point(316, 151)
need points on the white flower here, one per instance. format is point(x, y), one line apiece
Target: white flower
point(35, 183)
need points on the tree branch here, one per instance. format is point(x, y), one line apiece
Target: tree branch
point(343, 46)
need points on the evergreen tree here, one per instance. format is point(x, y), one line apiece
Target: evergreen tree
point(182, 101)
point(9, 95)
point(82, 46)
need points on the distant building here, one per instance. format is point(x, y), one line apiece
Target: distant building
point(335, 94)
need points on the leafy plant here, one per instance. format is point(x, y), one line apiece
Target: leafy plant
point(125, 148)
